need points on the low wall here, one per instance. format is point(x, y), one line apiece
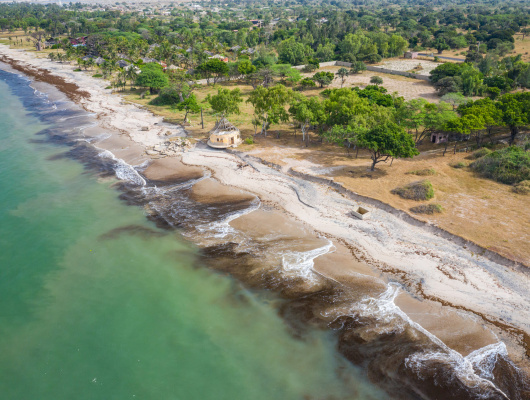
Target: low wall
point(372, 68)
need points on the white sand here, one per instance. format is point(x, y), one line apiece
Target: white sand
point(442, 268)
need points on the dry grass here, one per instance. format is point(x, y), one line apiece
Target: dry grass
point(423, 172)
point(522, 187)
point(428, 209)
point(421, 190)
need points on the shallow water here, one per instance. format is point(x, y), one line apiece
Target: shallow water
point(96, 302)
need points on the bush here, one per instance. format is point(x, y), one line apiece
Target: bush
point(522, 187)
point(309, 68)
point(249, 140)
point(421, 190)
point(168, 96)
point(77, 70)
point(373, 58)
point(97, 76)
point(422, 172)
point(427, 209)
point(459, 164)
point(509, 165)
point(480, 153)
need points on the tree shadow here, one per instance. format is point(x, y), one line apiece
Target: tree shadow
point(362, 171)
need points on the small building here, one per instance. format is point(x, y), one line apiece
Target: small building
point(219, 57)
point(439, 137)
point(224, 135)
point(122, 63)
point(411, 54)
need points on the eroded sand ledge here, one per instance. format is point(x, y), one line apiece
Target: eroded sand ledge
point(385, 247)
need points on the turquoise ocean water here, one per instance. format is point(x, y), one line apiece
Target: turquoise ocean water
point(97, 303)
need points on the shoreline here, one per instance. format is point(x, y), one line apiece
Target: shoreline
point(226, 169)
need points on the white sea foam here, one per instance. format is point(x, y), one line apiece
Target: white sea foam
point(485, 358)
point(221, 229)
point(302, 262)
point(123, 170)
point(390, 318)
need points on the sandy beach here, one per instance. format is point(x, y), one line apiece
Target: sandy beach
point(461, 298)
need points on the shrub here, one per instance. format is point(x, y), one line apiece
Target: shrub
point(509, 165)
point(427, 209)
point(249, 140)
point(421, 190)
point(309, 68)
point(422, 172)
point(97, 76)
point(168, 96)
point(522, 187)
point(459, 164)
point(480, 153)
point(77, 69)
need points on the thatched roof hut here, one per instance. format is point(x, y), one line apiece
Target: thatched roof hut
point(224, 135)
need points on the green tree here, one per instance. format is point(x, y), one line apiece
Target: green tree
point(245, 67)
point(449, 84)
point(269, 105)
point(515, 108)
point(357, 66)
point(323, 78)
point(440, 45)
point(376, 80)
point(189, 105)
point(306, 111)
point(471, 80)
point(387, 140)
point(423, 117)
point(292, 52)
point(213, 68)
point(226, 101)
point(307, 83)
point(486, 110)
point(455, 99)
point(343, 74)
point(152, 77)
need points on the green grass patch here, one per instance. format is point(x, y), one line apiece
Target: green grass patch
point(509, 165)
point(522, 187)
point(422, 172)
point(427, 209)
point(421, 190)
point(479, 153)
point(459, 164)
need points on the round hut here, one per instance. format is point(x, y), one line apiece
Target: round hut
point(224, 135)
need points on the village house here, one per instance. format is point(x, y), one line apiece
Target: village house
point(224, 135)
point(411, 54)
point(439, 137)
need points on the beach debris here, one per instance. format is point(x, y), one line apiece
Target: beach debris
point(361, 213)
point(169, 148)
point(144, 128)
